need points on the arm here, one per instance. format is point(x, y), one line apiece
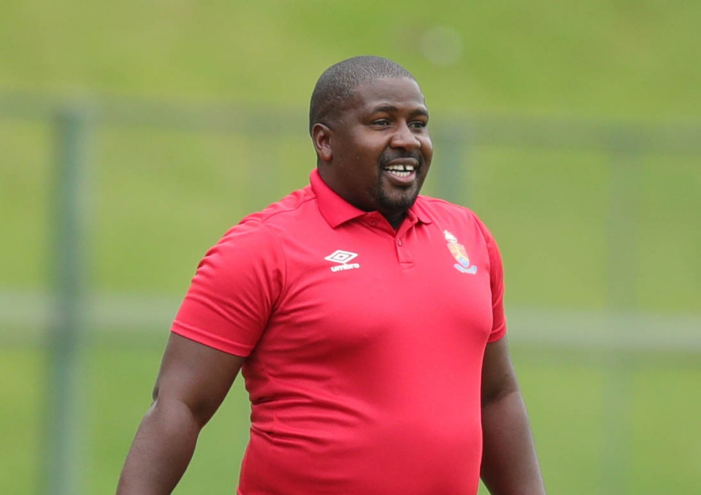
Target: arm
point(509, 461)
point(192, 383)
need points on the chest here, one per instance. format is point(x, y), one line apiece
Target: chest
point(350, 291)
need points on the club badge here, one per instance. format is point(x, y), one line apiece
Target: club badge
point(459, 253)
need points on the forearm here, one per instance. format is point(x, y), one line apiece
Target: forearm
point(509, 461)
point(161, 451)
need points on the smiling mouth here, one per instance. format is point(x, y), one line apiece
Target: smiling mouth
point(402, 171)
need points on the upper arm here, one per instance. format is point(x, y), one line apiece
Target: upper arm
point(195, 375)
point(223, 315)
point(496, 282)
point(234, 291)
point(498, 376)
point(497, 372)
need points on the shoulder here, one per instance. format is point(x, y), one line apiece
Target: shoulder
point(439, 206)
point(442, 211)
point(255, 235)
point(457, 219)
point(293, 207)
point(281, 218)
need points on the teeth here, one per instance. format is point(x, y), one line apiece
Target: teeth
point(401, 168)
point(399, 173)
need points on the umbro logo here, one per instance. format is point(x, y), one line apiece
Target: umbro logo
point(342, 257)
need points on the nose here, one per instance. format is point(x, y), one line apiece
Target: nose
point(405, 138)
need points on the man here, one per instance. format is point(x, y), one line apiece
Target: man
point(367, 320)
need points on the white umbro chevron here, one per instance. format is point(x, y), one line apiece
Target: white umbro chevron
point(342, 257)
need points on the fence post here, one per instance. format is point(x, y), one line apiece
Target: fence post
point(451, 173)
point(622, 298)
point(69, 264)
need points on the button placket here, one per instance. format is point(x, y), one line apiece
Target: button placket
point(403, 254)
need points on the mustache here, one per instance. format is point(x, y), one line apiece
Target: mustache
point(389, 156)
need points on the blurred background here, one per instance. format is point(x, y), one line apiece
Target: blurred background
point(134, 134)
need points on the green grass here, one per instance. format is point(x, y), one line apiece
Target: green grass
point(21, 403)
point(551, 212)
point(602, 58)
point(565, 395)
point(160, 198)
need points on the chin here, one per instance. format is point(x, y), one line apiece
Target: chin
point(398, 202)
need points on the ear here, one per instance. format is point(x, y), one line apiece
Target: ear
point(321, 137)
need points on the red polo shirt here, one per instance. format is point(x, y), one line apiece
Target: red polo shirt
point(364, 344)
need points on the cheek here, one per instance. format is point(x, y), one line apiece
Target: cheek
point(427, 151)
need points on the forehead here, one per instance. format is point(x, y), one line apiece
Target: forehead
point(403, 94)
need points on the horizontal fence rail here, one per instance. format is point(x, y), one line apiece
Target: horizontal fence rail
point(670, 138)
point(580, 330)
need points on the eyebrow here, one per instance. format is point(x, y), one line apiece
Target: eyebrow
point(392, 108)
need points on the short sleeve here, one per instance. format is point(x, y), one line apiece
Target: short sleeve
point(234, 291)
point(496, 280)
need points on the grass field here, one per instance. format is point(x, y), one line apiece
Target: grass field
point(605, 58)
point(565, 395)
point(160, 197)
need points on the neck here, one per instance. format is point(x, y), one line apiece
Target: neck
point(395, 219)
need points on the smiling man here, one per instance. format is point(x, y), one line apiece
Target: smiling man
point(377, 156)
point(367, 321)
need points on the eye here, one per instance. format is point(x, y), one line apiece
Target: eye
point(381, 122)
point(418, 124)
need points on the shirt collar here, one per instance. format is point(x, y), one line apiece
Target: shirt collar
point(337, 210)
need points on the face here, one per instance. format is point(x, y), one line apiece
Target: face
point(377, 155)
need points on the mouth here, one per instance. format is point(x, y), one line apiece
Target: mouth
point(402, 172)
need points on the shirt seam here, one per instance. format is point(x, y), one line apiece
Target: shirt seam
point(485, 241)
point(281, 248)
point(431, 199)
point(283, 291)
point(270, 215)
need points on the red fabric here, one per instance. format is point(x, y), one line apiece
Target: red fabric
point(362, 380)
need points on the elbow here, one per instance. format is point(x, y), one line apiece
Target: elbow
point(506, 388)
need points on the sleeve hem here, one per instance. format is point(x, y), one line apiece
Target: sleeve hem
point(498, 335)
point(210, 340)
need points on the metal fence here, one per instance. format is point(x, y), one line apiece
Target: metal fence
point(269, 147)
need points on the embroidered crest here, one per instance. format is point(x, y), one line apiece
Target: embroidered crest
point(459, 253)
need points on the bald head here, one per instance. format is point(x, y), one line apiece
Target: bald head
point(335, 86)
